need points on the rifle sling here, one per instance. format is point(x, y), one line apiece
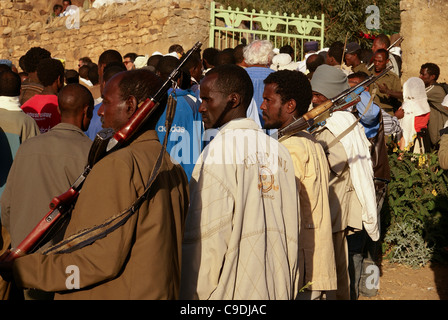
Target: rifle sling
point(353, 125)
point(90, 235)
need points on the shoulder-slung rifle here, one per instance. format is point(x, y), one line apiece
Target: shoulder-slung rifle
point(105, 142)
point(342, 101)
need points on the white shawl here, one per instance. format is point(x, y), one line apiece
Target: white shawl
point(356, 146)
point(10, 103)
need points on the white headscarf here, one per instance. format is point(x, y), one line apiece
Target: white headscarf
point(415, 103)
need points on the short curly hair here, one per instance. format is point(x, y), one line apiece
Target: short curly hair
point(292, 85)
point(33, 57)
point(49, 70)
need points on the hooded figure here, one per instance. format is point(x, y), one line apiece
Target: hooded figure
point(416, 111)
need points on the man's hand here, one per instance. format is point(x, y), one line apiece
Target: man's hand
point(383, 88)
point(399, 113)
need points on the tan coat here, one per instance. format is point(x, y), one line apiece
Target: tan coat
point(139, 260)
point(44, 167)
point(316, 253)
point(439, 114)
point(443, 152)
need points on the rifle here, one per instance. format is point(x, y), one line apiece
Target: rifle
point(342, 101)
point(106, 141)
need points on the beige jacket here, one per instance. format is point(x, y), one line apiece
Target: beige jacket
point(316, 253)
point(241, 234)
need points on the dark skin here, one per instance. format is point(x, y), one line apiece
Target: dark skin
point(380, 62)
point(428, 79)
point(276, 114)
point(217, 107)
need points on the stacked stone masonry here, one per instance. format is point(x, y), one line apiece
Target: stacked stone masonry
point(142, 26)
point(145, 26)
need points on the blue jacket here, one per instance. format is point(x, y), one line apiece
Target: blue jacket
point(185, 139)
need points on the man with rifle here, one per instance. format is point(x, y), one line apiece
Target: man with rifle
point(351, 188)
point(138, 258)
point(287, 96)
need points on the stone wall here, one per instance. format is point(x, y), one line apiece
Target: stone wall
point(423, 27)
point(143, 27)
point(146, 26)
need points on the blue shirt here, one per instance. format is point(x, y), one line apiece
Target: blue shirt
point(257, 75)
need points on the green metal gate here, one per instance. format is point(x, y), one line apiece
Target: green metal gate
point(228, 28)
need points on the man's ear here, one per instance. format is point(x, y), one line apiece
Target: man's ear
point(235, 99)
point(291, 106)
point(131, 105)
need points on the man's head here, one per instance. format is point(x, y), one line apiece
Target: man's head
point(71, 76)
point(287, 96)
point(313, 61)
point(258, 53)
point(84, 61)
point(327, 83)
point(75, 103)
point(352, 54)
point(57, 9)
point(93, 75)
point(225, 56)
point(110, 70)
point(178, 49)
point(238, 54)
point(65, 4)
point(105, 58)
point(335, 52)
point(381, 41)
point(166, 65)
point(129, 59)
point(194, 66)
point(429, 73)
point(380, 60)
point(84, 72)
point(226, 92)
point(209, 56)
point(51, 73)
point(10, 83)
point(33, 57)
point(122, 95)
point(356, 78)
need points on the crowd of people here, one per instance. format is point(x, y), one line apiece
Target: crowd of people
point(234, 212)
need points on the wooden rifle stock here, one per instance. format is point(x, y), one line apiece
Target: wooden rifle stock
point(105, 142)
point(342, 101)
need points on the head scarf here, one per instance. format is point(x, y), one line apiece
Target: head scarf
point(415, 103)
